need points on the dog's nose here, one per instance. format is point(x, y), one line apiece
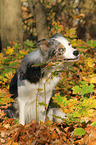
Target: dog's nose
point(76, 52)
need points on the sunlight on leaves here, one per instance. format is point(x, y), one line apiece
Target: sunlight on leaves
point(79, 131)
point(83, 89)
point(90, 62)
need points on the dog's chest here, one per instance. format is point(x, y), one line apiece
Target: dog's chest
point(29, 91)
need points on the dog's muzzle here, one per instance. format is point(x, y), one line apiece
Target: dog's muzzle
point(60, 57)
point(76, 55)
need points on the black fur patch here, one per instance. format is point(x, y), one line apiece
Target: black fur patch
point(13, 87)
point(33, 74)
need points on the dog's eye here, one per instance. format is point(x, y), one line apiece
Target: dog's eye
point(61, 50)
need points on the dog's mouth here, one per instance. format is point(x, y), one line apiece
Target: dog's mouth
point(71, 60)
point(66, 59)
point(61, 58)
point(58, 61)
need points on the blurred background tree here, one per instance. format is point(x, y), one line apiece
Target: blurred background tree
point(0, 27)
point(43, 18)
point(86, 28)
point(39, 13)
point(11, 22)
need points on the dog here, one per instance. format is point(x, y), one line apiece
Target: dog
point(35, 80)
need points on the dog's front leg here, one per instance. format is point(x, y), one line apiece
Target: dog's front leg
point(21, 111)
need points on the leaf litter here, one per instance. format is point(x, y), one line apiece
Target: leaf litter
point(47, 133)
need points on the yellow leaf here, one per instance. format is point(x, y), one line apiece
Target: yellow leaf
point(93, 79)
point(40, 89)
point(9, 51)
point(1, 57)
point(23, 52)
point(90, 62)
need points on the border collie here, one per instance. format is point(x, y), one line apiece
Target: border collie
point(35, 79)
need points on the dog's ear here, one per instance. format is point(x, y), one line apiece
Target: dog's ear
point(44, 45)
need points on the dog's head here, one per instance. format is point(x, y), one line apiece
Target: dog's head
point(58, 48)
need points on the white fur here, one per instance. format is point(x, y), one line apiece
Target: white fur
point(27, 98)
point(69, 50)
point(56, 114)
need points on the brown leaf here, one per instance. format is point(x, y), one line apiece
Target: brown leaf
point(15, 136)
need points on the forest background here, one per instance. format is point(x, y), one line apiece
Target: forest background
point(24, 22)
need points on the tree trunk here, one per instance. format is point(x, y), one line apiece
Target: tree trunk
point(38, 12)
point(11, 24)
point(0, 27)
